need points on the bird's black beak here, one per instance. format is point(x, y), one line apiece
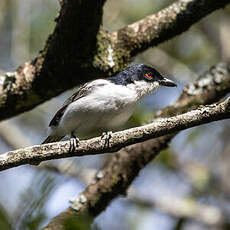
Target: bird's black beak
point(167, 82)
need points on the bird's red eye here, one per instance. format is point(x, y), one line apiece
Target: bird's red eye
point(148, 76)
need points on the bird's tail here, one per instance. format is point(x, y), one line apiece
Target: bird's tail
point(50, 139)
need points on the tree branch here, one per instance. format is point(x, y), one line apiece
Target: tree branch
point(124, 166)
point(65, 61)
point(118, 140)
point(186, 208)
point(166, 24)
point(68, 59)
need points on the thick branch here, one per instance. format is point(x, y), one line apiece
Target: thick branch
point(124, 166)
point(65, 61)
point(76, 52)
point(181, 208)
point(166, 24)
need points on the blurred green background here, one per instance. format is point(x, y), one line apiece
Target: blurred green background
point(193, 172)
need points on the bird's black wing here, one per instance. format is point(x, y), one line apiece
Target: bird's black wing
point(81, 92)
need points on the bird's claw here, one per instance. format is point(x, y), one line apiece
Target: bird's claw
point(106, 136)
point(74, 143)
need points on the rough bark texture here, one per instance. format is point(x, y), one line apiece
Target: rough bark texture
point(80, 50)
point(65, 61)
point(166, 24)
point(124, 166)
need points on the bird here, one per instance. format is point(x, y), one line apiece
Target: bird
point(103, 105)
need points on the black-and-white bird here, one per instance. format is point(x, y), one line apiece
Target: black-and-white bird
point(105, 104)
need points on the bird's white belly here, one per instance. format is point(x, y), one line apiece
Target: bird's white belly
point(94, 124)
point(89, 116)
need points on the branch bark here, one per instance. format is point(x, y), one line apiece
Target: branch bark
point(118, 140)
point(65, 61)
point(125, 165)
point(165, 25)
point(68, 59)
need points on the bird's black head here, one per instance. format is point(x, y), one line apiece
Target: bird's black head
point(140, 72)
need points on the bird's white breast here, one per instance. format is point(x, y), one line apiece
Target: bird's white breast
point(105, 108)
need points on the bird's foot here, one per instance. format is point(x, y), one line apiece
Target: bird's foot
point(106, 136)
point(74, 143)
